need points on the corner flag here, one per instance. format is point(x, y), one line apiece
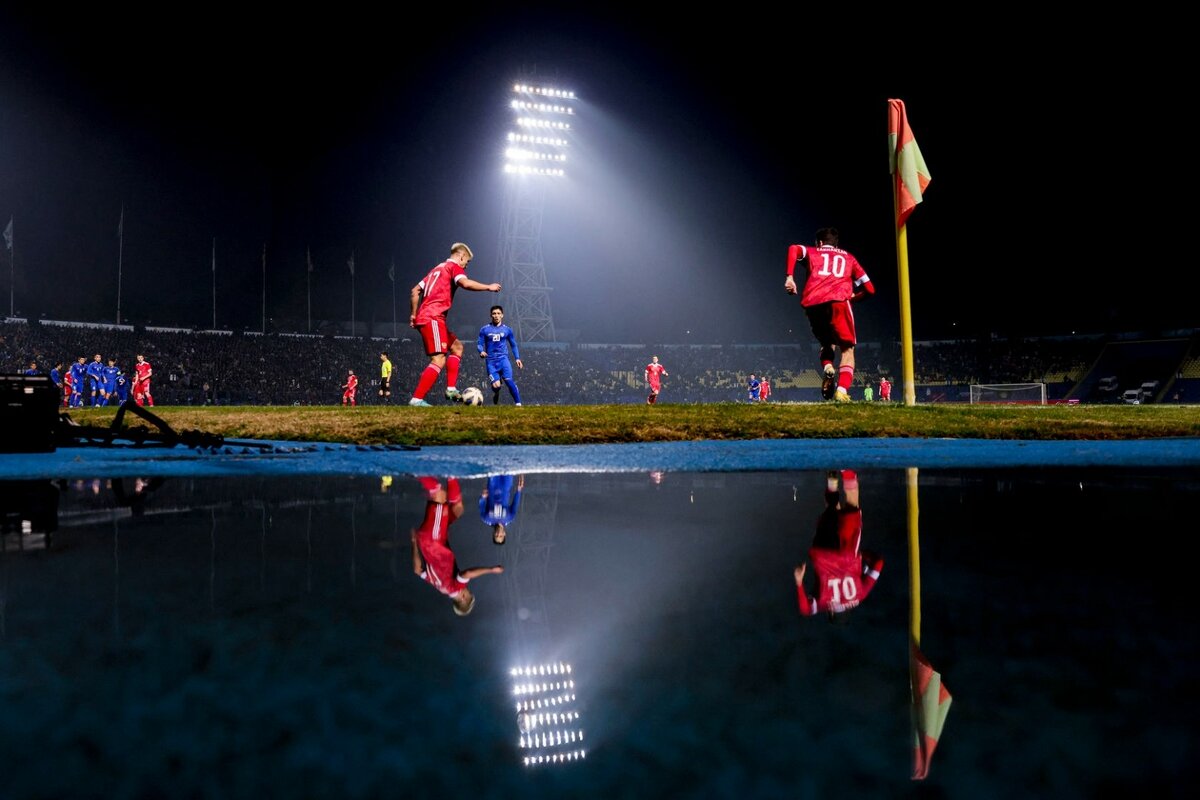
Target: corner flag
point(905, 162)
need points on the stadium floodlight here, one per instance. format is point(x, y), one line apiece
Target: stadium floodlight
point(542, 121)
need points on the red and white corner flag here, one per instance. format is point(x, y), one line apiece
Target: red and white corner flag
point(905, 161)
point(930, 705)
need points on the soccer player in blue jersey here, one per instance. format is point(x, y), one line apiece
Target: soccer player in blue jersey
point(494, 341)
point(498, 504)
point(108, 382)
point(56, 375)
point(78, 382)
point(121, 383)
point(32, 370)
point(95, 374)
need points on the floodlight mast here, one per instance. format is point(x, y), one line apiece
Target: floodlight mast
point(535, 153)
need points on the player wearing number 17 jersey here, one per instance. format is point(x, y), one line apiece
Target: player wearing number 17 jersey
point(431, 299)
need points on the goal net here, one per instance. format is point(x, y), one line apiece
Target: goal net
point(1014, 393)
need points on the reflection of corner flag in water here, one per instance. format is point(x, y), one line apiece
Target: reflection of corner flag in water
point(931, 704)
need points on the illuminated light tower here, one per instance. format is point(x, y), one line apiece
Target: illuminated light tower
point(547, 710)
point(535, 155)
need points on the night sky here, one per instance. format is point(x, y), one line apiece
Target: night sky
point(705, 146)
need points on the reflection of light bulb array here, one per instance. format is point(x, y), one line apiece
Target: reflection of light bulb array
point(555, 758)
point(546, 717)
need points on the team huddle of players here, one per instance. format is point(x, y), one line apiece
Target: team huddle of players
point(99, 383)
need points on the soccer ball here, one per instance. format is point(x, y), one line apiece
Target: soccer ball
point(471, 396)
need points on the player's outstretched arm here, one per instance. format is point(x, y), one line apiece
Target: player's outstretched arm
point(476, 286)
point(475, 572)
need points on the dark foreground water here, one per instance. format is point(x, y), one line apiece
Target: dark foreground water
point(269, 637)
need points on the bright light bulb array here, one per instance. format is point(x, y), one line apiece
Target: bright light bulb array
point(514, 169)
point(541, 108)
point(544, 91)
point(538, 113)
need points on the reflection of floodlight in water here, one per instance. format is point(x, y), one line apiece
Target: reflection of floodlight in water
point(547, 716)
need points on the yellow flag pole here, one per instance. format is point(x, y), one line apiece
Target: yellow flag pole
point(906, 340)
point(914, 557)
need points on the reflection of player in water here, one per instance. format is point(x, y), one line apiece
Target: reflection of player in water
point(844, 575)
point(498, 504)
point(433, 560)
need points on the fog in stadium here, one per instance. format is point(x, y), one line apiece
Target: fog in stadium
point(701, 152)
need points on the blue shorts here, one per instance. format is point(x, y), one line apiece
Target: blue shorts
point(499, 370)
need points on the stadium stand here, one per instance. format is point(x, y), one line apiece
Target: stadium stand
point(249, 368)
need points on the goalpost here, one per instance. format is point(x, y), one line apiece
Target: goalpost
point(1010, 393)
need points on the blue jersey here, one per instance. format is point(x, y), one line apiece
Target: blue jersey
point(109, 376)
point(95, 371)
point(752, 387)
point(500, 503)
point(78, 371)
point(494, 340)
point(56, 376)
point(122, 387)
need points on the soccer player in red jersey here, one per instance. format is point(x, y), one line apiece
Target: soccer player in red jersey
point(835, 280)
point(68, 381)
point(433, 560)
point(351, 389)
point(141, 381)
point(655, 372)
point(885, 390)
point(764, 389)
point(844, 575)
point(431, 299)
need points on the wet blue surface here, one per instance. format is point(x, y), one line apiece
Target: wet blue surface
point(260, 631)
point(288, 458)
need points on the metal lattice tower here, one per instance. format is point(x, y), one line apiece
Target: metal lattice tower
point(526, 295)
point(535, 156)
point(527, 554)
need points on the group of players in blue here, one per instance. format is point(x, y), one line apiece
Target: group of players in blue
point(93, 383)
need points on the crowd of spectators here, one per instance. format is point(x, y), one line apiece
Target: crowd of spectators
point(231, 368)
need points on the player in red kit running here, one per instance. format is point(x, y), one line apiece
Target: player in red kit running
point(431, 299)
point(764, 389)
point(835, 280)
point(844, 575)
point(655, 372)
point(141, 381)
point(350, 388)
point(433, 560)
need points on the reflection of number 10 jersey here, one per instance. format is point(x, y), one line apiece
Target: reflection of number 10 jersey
point(844, 576)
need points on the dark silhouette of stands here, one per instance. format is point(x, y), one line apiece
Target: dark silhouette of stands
point(297, 369)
